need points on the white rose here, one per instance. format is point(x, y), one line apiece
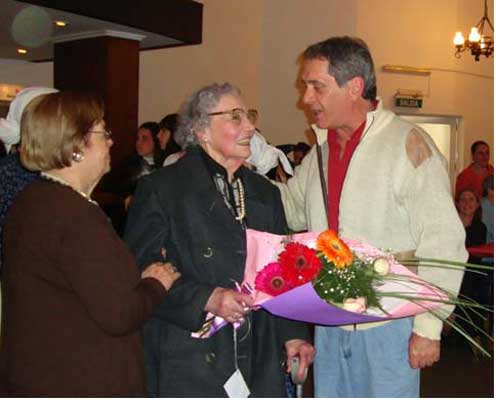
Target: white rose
point(381, 266)
point(357, 305)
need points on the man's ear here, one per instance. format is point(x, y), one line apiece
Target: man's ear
point(356, 87)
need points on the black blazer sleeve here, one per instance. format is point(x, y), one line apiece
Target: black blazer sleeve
point(147, 231)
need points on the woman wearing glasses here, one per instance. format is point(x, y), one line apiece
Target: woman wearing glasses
point(73, 299)
point(195, 213)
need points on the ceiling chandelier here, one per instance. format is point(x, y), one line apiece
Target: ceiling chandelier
point(478, 43)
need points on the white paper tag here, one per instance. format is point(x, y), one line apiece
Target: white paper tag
point(236, 386)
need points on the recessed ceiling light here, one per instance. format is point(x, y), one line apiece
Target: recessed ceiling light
point(22, 51)
point(60, 23)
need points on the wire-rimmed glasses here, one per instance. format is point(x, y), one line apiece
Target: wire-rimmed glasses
point(107, 134)
point(237, 114)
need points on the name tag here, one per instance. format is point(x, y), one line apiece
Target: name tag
point(236, 386)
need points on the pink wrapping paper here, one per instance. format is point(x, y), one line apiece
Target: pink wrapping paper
point(304, 304)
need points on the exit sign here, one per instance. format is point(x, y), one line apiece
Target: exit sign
point(410, 102)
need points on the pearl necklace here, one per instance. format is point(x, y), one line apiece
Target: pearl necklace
point(62, 182)
point(240, 205)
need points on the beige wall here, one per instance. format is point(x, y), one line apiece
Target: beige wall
point(420, 34)
point(255, 44)
point(289, 26)
point(230, 52)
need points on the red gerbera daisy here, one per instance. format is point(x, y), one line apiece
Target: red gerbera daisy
point(300, 263)
point(271, 280)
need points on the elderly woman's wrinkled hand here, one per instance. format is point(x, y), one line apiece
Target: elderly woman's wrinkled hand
point(229, 304)
point(165, 273)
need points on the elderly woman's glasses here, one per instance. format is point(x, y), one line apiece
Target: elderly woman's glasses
point(106, 134)
point(237, 114)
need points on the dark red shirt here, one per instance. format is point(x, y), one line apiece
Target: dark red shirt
point(336, 171)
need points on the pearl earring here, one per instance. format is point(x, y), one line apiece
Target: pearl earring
point(77, 156)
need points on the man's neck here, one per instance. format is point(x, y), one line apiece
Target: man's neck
point(357, 117)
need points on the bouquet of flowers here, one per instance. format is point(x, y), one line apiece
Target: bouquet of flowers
point(323, 279)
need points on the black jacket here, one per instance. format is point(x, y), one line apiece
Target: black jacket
point(179, 208)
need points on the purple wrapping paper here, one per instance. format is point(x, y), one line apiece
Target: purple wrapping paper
point(304, 304)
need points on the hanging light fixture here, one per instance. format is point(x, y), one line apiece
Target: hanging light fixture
point(478, 43)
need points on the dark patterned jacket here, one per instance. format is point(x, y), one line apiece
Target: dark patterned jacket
point(13, 179)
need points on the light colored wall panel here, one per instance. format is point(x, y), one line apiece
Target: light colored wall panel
point(230, 52)
point(289, 26)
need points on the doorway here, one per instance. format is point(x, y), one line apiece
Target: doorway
point(445, 131)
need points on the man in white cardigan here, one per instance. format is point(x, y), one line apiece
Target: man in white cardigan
point(385, 183)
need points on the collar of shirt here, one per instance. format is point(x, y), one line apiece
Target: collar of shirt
point(213, 167)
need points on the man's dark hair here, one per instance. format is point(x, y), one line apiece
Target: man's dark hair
point(348, 58)
point(476, 144)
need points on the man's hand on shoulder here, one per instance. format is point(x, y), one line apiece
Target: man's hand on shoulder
point(423, 352)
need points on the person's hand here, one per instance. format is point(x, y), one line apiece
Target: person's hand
point(127, 202)
point(301, 349)
point(281, 174)
point(423, 352)
point(165, 273)
point(229, 304)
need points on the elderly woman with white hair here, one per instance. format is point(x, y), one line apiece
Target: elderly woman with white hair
point(195, 213)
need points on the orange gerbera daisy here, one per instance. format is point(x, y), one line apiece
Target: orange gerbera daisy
point(334, 249)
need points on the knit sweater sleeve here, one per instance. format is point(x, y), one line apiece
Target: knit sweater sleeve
point(435, 226)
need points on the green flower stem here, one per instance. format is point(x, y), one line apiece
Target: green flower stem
point(458, 328)
point(402, 295)
point(458, 268)
point(453, 298)
point(418, 261)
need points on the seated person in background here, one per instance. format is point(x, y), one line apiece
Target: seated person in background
point(74, 300)
point(172, 158)
point(148, 148)
point(474, 285)
point(299, 151)
point(473, 176)
point(147, 158)
point(487, 206)
point(468, 206)
point(166, 137)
